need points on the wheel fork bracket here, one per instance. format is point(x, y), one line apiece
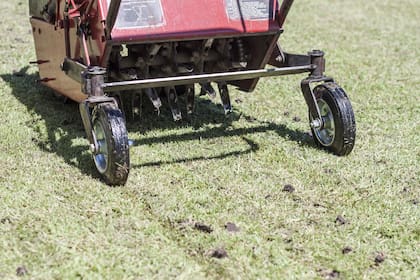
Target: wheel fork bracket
point(92, 79)
point(85, 108)
point(316, 76)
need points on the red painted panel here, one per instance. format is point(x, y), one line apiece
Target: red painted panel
point(184, 19)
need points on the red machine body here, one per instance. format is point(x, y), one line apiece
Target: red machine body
point(191, 19)
point(157, 21)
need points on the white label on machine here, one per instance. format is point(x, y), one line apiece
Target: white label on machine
point(139, 14)
point(249, 9)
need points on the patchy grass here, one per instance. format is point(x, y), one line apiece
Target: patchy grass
point(207, 198)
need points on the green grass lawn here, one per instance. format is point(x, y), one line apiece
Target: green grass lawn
point(355, 217)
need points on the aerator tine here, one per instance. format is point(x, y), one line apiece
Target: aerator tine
point(172, 96)
point(207, 89)
point(190, 92)
point(225, 97)
point(154, 98)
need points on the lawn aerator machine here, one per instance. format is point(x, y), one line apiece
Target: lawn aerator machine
point(106, 54)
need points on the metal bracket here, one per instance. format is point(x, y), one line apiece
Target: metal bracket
point(73, 69)
point(93, 79)
point(316, 76)
point(85, 108)
point(311, 99)
point(317, 58)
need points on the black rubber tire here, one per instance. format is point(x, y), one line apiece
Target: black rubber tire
point(344, 121)
point(116, 167)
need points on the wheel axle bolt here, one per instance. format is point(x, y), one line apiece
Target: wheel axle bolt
point(92, 148)
point(317, 123)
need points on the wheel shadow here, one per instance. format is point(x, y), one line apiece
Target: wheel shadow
point(301, 138)
point(55, 122)
point(64, 127)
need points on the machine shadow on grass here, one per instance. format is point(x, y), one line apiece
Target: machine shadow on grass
point(63, 125)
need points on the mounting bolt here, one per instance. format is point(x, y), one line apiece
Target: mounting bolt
point(316, 53)
point(316, 124)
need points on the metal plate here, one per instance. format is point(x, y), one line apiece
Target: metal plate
point(139, 14)
point(249, 9)
point(190, 19)
point(48, 42)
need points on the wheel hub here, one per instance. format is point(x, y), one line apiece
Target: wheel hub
point(101, 156)
point(325, 133)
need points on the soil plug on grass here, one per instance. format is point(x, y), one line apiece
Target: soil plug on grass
point(333, 274)
point(202, 227)
point(21, 271)
point(219, 253)
point(346, 250)
point(380, 258)
point(288, 188)
point(340, 220)
point(6, 220)
point(231, 227)
point(329, 274)
point(414, 201)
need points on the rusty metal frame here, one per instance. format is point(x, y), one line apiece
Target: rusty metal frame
point(314, 63)
point(214, 77)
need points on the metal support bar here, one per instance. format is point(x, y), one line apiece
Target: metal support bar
point(284, 10)
point(205, 78)
point(66, 26)
point(284, 59)
point(111, 18)
point(73, 69)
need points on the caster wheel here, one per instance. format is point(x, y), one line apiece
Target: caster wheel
point(112, 157)
point(338, 133)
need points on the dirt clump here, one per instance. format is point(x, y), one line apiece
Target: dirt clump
point(250, 119)
point(333, 274)
point(347, 250)
point(21, 271)
point(380, 258)
point(203, 227)
point(340, 220)
point(414, 201)
point(231, 227)
point(289, 188)
point(219, 253)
